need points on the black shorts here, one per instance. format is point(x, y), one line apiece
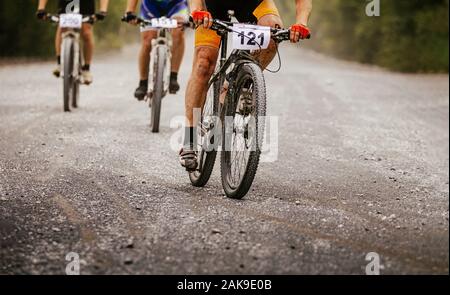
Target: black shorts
point(243, 9)
point(87, 7)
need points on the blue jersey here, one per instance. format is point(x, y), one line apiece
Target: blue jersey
point(159, 8)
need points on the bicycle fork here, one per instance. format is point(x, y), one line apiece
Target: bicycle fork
point(75, 39)
point(153, 59)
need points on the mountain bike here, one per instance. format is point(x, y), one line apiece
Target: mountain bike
point(72, 55)
point(237, 122)
point(160, 64)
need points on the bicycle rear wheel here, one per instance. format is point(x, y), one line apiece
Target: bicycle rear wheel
point(207, 137)
point(158, 87)
point(68, 81)
point(243, 131)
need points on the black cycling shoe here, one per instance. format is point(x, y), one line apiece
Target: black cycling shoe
point(141, 92)
point(188, 159)
point(174, 87)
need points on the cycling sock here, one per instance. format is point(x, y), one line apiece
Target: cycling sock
point(189, 137)
point(86, 67)
point(143, 83)
point(174, 76)
point(58, 59)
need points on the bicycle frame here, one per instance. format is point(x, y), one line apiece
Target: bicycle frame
point(237, 57)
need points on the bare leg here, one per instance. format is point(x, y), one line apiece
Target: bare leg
point(144, 54)
point(87, 34)
point(205, 59)
point(58, 40)
point(177, 49)
point(266, 56)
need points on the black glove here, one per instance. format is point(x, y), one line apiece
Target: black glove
point(129, 17)
point(101, 15)
point(41, 14)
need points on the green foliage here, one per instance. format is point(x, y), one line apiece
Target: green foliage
point(112, 33)
point(409, 36)
point(23, 35)
point(20, 33)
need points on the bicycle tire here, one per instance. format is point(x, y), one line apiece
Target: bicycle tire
point(68, 81)
point(201, 176)
point(254, 73)
point(75, 94)
point(158, 88)
point(76, 88)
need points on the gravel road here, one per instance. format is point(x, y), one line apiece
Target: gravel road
point(362, 167)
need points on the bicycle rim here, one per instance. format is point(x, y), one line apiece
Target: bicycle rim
point(243, 132)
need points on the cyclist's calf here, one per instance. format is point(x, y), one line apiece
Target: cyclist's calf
point(87, 34)
point(204, 65)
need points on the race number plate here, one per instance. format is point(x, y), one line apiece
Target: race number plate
point(72, 21)
point(250, 37)
point(165, 23)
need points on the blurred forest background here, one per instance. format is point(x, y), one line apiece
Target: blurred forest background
point(409, 36)
point(23, 35)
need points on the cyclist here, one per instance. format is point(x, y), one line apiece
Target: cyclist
point(86, 8)
point(207, 42)
point(177, 9)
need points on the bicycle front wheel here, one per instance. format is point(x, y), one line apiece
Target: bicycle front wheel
point(158, 87)
point(243, 131)
point(69, 80)
point(75, 94)
point(76, 86)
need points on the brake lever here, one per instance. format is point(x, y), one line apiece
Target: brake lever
point(89, 19)
point(52, 18)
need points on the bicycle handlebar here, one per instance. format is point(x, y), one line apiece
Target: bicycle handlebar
point(54, 18)
point(279, 35)
point(141, 21)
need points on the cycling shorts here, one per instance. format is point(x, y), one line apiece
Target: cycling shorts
point(246, 11)
point(168, 8)
point(87, 7)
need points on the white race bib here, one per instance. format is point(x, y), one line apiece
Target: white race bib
point(166, 23)
point(72, 21)
point(250, 37)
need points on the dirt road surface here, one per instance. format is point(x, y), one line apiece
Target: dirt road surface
point(362, 167)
